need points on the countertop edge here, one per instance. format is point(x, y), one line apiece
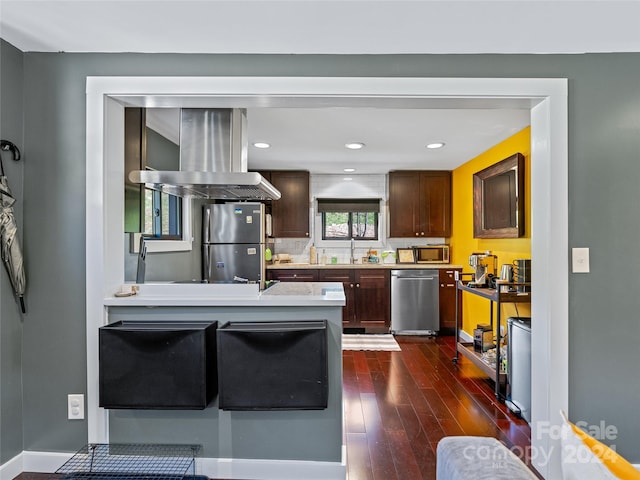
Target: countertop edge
point(282, 301)
point(386, 266)
point(284, 294)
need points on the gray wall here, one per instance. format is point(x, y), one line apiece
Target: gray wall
point(162, 153)
point(11, 94)
point(604, 168)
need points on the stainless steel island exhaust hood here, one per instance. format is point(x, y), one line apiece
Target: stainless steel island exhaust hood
point(213, 159)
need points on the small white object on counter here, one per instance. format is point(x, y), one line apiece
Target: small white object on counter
point(127, 290)
point(389, 256)
point(282, 257)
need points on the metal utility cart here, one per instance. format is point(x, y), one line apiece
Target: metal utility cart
point(512, 292)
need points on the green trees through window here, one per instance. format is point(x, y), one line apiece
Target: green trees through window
point(348, 225)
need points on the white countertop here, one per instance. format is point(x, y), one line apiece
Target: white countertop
point(281, 294)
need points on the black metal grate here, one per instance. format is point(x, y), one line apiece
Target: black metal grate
point(132, 462)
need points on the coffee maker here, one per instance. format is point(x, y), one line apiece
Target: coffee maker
point(484, 264)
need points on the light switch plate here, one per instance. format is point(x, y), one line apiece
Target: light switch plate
point(580, 260)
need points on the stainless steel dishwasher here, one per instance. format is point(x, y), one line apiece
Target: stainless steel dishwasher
point(415, 302)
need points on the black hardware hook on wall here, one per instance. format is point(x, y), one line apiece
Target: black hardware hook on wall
point(7, 146)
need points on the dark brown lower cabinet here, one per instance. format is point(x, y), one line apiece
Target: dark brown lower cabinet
point(447, 301)
point(367, 294)
point(346, 277)
point(293, 275)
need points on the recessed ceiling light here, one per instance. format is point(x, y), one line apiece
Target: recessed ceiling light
point(354, 145)
point(261, 145)
point(348, 179)
point(349, 170)
point(435, 145)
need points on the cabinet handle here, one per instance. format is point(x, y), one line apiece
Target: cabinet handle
point(451, 284)
point(357, 285)
point(351, 285)
point(422, 233)
point(417, 234)
point(442, 284)
point(307, 234)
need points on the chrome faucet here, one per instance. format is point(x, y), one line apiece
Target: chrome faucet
point(352, 260)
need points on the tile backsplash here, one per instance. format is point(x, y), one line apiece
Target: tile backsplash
point(299, 248)
point(335, 186)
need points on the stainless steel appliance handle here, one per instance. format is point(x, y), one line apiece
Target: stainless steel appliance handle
point(206, 224)
point(415, 278)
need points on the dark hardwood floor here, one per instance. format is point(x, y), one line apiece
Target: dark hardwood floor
point(398, 405)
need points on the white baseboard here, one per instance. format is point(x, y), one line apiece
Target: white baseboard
point(12, 468)
point(40, 462)
point(465, 337)
point(45, 462)
point(245, 469)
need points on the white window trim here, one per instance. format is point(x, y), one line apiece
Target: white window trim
point(183, 245)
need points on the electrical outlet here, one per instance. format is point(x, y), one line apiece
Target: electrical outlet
point(75, 406)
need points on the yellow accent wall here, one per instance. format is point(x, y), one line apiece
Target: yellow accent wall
point(475, 309)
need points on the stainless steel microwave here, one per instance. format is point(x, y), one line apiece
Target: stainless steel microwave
point(431, 253)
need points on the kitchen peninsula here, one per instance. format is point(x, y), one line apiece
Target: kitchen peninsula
point(235, 442)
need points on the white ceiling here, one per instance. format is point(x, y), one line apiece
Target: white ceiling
point(314, 138)
point(321, 26)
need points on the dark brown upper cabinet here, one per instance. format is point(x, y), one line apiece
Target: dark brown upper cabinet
point(291, 213)
point(419, 203)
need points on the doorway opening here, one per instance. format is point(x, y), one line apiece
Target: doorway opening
point(546, 99)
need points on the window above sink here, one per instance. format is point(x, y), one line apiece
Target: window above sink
point(347, 219)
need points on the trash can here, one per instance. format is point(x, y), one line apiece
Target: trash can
point(157, 365)
point(278, 365)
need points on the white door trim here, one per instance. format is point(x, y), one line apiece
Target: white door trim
point(547, 99)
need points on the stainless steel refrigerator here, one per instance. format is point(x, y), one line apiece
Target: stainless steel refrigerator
point(233, 243)
point(519, 366)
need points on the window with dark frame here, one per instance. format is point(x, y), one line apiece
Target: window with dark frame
point(162, 215)
point(346, 219)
